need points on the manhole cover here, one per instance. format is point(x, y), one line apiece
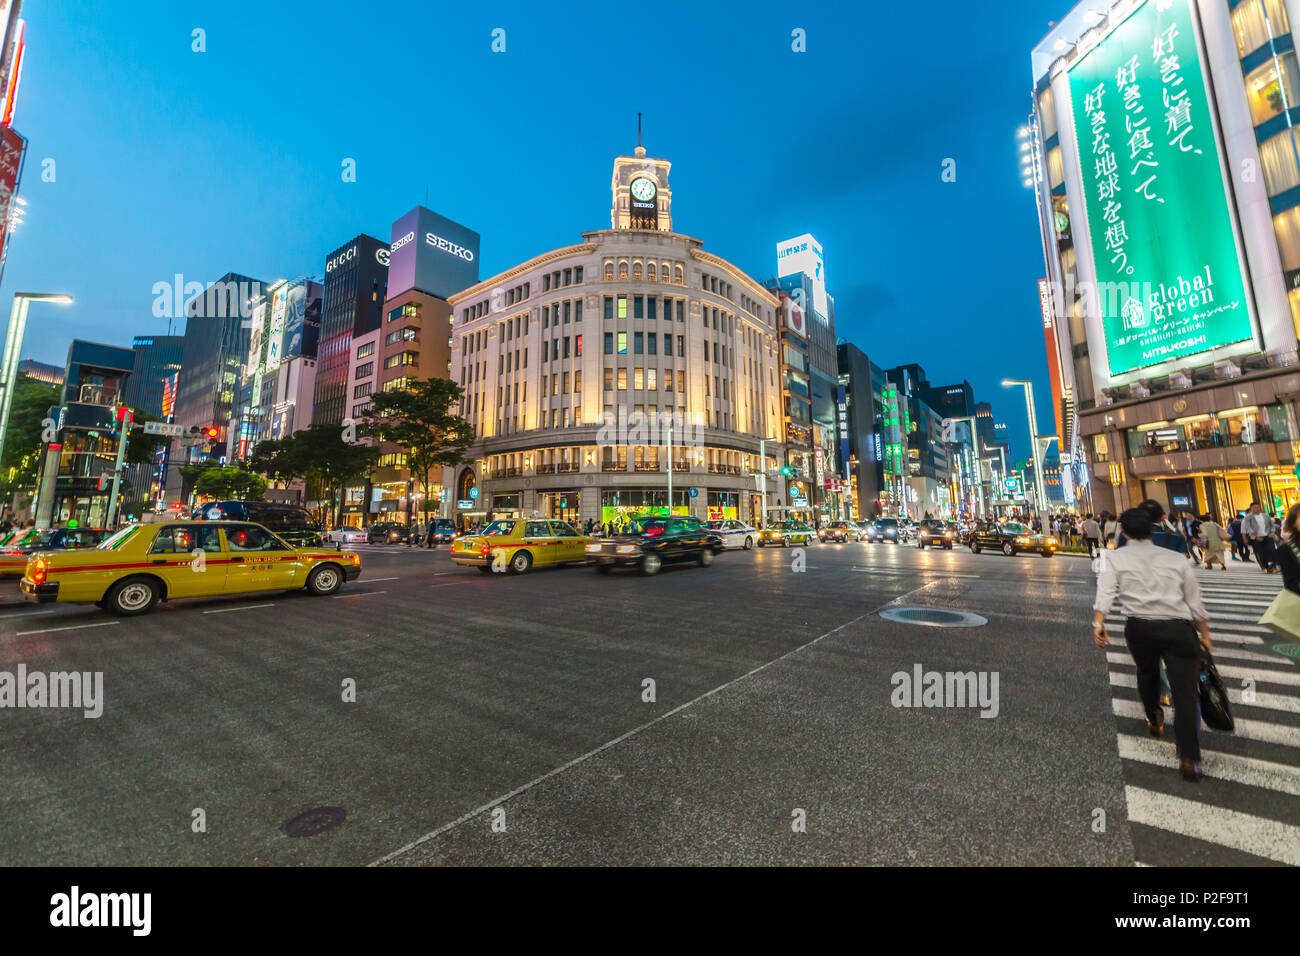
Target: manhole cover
point(312, 822)
point(933, 617)
point(1288, 650)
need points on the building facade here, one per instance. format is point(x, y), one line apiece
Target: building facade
point(352, 304)
point(592, 370)
point(217, 326)
point(863, 383)
point(1172, 249)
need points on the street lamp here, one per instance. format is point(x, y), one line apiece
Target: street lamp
point(13, 348)
point(1033, 437)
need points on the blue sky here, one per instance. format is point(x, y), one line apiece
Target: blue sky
point(170, 161)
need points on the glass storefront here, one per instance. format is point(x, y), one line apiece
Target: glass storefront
point(1238, 426)
point(560, 505)
point(723, 504)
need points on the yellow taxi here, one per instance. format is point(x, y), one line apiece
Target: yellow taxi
point(143, 564)
point(515, 545)
point(782, 534)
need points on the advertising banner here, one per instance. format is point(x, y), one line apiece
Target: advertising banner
point(432, 254)
point(12, 147)
point(803, 254)
point(1168, 271)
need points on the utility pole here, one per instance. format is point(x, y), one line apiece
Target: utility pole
point(125, 416)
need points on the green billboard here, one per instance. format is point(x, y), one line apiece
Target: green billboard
point(1168, 274)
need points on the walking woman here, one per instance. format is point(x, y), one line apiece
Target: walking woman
point(1213, 534)
point(1163, 610)
point(1110, 529)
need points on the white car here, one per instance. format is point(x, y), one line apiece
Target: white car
point(734, 534)
point(348, 536)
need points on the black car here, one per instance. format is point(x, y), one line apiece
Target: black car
point(654, 541)
point(293, 524)
point(935, 534)
point(884, 529)
point(388, 532)
point(1010, 538)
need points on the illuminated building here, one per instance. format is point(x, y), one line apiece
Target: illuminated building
point(576, 362)
point(1171, 304)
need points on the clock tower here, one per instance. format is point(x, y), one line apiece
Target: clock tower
point(642, 198)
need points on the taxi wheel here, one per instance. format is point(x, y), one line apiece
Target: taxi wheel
point(1047, 554)
point(133, 596)
point(974, 548)
point(604, 568)
point(706, 557)
point(521, 562)
point(1008, 549)
point(324, 579)
point(651, 563)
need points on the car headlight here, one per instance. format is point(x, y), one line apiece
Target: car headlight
point(593, 547)
point(626, 548)
point(1023, 541)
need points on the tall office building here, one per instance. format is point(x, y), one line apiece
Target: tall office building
point(1168, 187)
point(151, 389)
point(217, 325)
point(356, 288)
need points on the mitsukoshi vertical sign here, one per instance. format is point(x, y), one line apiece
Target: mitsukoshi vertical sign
point(1169, 277)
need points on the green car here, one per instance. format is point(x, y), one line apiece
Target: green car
point(785, 533)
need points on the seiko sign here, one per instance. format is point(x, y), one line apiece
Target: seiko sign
point(447, 246)
point(403, 241)
point(340, 259)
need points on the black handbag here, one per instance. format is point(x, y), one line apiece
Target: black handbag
point(1215, 709)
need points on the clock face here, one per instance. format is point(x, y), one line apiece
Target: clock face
point(643, 190)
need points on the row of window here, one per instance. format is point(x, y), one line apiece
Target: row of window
point(641, 341)
point(644, 307)
point(651, 271)
point(561, 277)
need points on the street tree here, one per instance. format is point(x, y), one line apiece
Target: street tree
point(317, 454)
point(28, 410)
point(230, 482)
point(419, 420)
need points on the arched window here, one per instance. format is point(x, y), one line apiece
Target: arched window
point(650, 272)
point(677, 275)
point(636, 268)
point(609, 270)
point(622, 268)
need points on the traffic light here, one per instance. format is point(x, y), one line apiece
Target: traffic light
point(787, 471)
point(212, 433)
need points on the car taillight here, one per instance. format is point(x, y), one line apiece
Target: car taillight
point(653, 532)
point(38, 573)
point(483, 550)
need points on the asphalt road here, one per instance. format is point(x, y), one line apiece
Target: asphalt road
point(504, 720)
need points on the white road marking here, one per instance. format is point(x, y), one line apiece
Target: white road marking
point(1232, 670)
point(242, 607)
point(70, 627)
point(910, 571)
point(1241, 831)
point(1266, 701)
point(1244, 770)
point(1234, 653)
point(1249, 729)
point(360, 594)
point(373, 580)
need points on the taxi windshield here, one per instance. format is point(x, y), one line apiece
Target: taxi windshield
point(1012, 527)
point(498, 529)
point(648, 525)
point(111, 543)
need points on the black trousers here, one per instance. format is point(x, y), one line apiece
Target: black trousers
point(1177, 644)
point(1094, 544)
point(1264, 552)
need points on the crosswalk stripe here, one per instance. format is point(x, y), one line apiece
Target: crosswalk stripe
point(1235, 653)
point(1221, 766)
point(1278, 702)
point(1241, 831)
point(1261, 674)
point(1218, 635)
point(1247, 729)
